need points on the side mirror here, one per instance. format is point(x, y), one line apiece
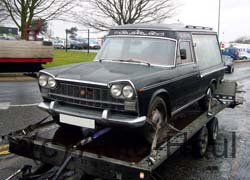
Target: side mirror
point(183, 54)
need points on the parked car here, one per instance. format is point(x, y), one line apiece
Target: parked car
point(232, 52)
point(75, 44)
point(60, 44)
point(93, 44)
point(244, 56)
point(229, 63)
point(142, 77)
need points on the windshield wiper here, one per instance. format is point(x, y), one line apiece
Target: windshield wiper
point(135, 61)
point(126, 60)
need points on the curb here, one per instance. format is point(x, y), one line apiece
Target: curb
point(241, 61)
point(4, 77)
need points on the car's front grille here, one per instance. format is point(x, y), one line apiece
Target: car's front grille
point(85, 95)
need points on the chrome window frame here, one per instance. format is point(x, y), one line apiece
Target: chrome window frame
point(150, 37)
point(191, 50)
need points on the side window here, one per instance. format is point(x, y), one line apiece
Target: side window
point(207, 51)
point(185, 52)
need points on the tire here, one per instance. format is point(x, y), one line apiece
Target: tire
point(203, 103)
point(213, 129)
point(200, 143)
point(158, 106)
point(244, 58)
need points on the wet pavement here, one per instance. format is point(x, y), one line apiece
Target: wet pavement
point(228, 159)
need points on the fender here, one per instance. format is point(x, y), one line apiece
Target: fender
point(213, 82)
point(165, 95)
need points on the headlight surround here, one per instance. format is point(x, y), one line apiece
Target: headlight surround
point(43, 80)
point(128, 91)
point(51, 82)
point(116, 90)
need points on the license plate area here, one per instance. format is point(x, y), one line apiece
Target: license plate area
point(77, 121)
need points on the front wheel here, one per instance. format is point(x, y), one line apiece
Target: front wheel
point(204, 102)
point(156, 118)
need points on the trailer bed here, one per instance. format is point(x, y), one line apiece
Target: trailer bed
point(122, 155)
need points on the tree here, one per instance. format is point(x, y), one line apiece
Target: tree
point(102, 14)
point(23, 11)
point(243, 40)
point(72, 32)
point(3, 12)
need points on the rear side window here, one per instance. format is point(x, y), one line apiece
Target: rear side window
point(207, 51)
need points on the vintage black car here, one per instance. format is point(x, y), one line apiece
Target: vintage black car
point(143, 75)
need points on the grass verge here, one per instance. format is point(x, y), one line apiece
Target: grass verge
point(62, 58)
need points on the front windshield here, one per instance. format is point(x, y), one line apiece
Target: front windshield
point(151, 50)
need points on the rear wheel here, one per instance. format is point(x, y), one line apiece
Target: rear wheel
point(200, 143)
point(156, 118)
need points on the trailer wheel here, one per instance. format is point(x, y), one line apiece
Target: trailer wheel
point(156, 116)
point(200, 143)
point(213, 128)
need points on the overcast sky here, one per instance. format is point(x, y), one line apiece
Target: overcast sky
point(235, 17)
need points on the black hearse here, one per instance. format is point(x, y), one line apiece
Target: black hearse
point(143, 75)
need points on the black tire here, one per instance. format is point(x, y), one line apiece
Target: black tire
point(157, 104)
point(200, 143)
point(213, 129)
point(203, 103)
point(244, 58)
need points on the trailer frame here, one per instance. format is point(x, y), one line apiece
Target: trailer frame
point(30, 143)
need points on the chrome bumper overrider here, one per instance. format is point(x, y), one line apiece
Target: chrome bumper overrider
point(101, 116)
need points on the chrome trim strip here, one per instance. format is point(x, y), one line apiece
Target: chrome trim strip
point(134, 122)
point(80, 81)
point(210, 72)
point(72, 80)
point(169, 81)
point(185, 106)
point(167, 30)
point(44, 72)
point(87, 100)
point(132, 84)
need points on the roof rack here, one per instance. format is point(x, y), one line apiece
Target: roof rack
point(199, 27)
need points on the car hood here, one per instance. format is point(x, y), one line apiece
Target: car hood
point(106, 72)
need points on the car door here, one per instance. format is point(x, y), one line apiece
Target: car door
point(188, 72)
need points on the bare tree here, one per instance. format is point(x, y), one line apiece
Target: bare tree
point(243, 40)
point(23, 11)
point(3, 12)
point(102, 14)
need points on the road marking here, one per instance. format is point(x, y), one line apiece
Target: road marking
point(5, 146)
point(24, 105)
point(242, 130)
point(4, 152)
point(4, 105)
point(7, 105)
point(4, 149)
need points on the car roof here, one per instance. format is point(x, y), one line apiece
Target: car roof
point(167, 27)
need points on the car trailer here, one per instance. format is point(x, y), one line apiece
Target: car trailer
point(66, 151)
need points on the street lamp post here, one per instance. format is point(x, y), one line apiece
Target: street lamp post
point(219, 19)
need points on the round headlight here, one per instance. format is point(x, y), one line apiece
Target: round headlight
point(43, 80)
point(116, 90)
point(128, 92)
point(51, 82)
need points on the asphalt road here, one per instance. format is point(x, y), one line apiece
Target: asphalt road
point(231, 159)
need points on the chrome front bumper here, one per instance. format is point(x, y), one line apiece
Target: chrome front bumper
point(101, 116)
